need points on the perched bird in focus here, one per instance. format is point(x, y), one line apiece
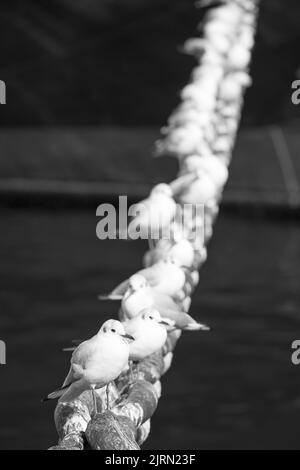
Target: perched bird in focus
point(96, 362)
point(149, 332)
point(153, 214)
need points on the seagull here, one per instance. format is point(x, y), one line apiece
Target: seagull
point(166, 276)
point(201, 189)
point(203, 99)
point(185, 139)
point(154, 214)
point(149, 332)
point(232, 86)
point(95, 363)
point(209, 165)
point(141, 295)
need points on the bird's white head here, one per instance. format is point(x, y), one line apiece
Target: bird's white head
point(115, 328)
point(137, 282)
point(162, 189)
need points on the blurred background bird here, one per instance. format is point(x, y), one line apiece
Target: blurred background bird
point(152, 215)
point(166, 276)
point(179, 248)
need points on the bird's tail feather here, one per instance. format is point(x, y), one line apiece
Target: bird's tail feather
point(56, 394)
point(196, 327)
point(110, 297)
point(70, 349)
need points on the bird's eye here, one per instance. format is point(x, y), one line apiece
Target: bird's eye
point(113, 330)
point(151, 318)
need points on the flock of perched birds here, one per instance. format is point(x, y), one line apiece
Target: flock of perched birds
point(149, 310)
point(200, 133)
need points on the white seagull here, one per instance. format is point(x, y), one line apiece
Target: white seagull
point(149, 332)
point(141, 295)
point(153, 214)
point(96, 362)
point(167, 276)
point(180, 248)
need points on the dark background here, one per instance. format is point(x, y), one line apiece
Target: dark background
point(88, 86)
point(68, 62)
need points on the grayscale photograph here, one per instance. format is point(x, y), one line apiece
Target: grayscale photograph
point(150, 235)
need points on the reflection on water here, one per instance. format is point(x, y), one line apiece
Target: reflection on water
point(234, 387)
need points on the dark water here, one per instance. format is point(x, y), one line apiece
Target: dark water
point(232, 388)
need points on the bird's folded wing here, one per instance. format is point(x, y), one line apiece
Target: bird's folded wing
point(85, 351)
point(170, 313)
point(70, 378)
point(163, 301)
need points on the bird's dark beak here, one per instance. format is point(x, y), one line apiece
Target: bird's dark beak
point(163, 322)
point(129, 337)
